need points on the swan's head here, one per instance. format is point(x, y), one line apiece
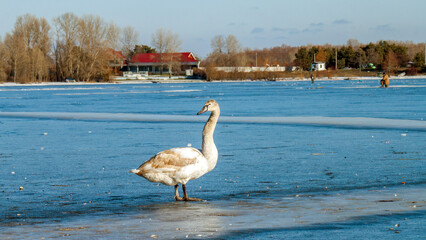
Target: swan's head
point(210, 105)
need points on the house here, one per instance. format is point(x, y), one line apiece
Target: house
point(159, 63)
point(116, 60)
point(318, 66)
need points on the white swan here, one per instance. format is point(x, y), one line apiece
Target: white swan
point(179, 165)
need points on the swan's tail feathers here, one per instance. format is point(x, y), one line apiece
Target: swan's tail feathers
point(135, 171)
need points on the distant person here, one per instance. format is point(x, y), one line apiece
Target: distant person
point(385, 80)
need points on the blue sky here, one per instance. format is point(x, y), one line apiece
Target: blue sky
point(256, 24)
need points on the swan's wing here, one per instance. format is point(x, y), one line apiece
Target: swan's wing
point(172, 160)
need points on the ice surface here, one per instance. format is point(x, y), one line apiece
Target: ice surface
point(288, 215)
point(336, 159)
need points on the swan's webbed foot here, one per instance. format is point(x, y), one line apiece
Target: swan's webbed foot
point(185, 198)
point(193, 199)
point(179, 199)
point(185, 195)
point(189, 199)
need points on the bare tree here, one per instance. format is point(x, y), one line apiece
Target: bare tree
point(4, 65)
point(95, 37)
point(218, 55)
point(390, 64)
point(218, 44)
point(352, 42)
point(82, 49)
point(65, 44)
point(159, 43)
point(167, 43)
point(14, 46)
point(173, 44)
point(233, 46)
point(28, 48)
point(233, 49)
point(227, 52)
point(128, 39)
point(42, 52)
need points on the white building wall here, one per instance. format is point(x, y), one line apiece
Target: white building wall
point(251, 69)
point(319, 66)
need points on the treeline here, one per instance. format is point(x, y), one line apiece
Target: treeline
point(383, 55)
point(388, 56)
point(77, 48)
point(81, 48)
point(228, 52)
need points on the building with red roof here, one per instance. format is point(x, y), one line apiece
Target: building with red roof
point(158, 63)
point(116, 61)
point(116, 58)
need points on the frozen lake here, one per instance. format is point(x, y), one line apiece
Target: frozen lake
point(330, 160)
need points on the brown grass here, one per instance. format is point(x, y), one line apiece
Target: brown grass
point(211, 74)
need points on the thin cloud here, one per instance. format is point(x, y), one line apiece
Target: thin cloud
point(257, 30)
point(312, 30)
point(285, 30)
point(341, 22)
point(320, 24)
point(383, 28)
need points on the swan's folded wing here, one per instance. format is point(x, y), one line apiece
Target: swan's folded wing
point(172, 159)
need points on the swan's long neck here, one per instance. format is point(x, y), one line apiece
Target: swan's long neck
point(209, 148)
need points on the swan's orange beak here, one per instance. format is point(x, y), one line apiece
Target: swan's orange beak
point(203, 110)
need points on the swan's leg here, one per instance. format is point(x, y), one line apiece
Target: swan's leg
point(185, 195)
point(177, 193)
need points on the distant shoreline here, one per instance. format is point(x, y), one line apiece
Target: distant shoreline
point(149, 81)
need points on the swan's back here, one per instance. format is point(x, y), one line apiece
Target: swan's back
point(173, 166)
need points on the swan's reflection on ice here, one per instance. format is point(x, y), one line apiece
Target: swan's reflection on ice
point(170, 220)
point(224, 219)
